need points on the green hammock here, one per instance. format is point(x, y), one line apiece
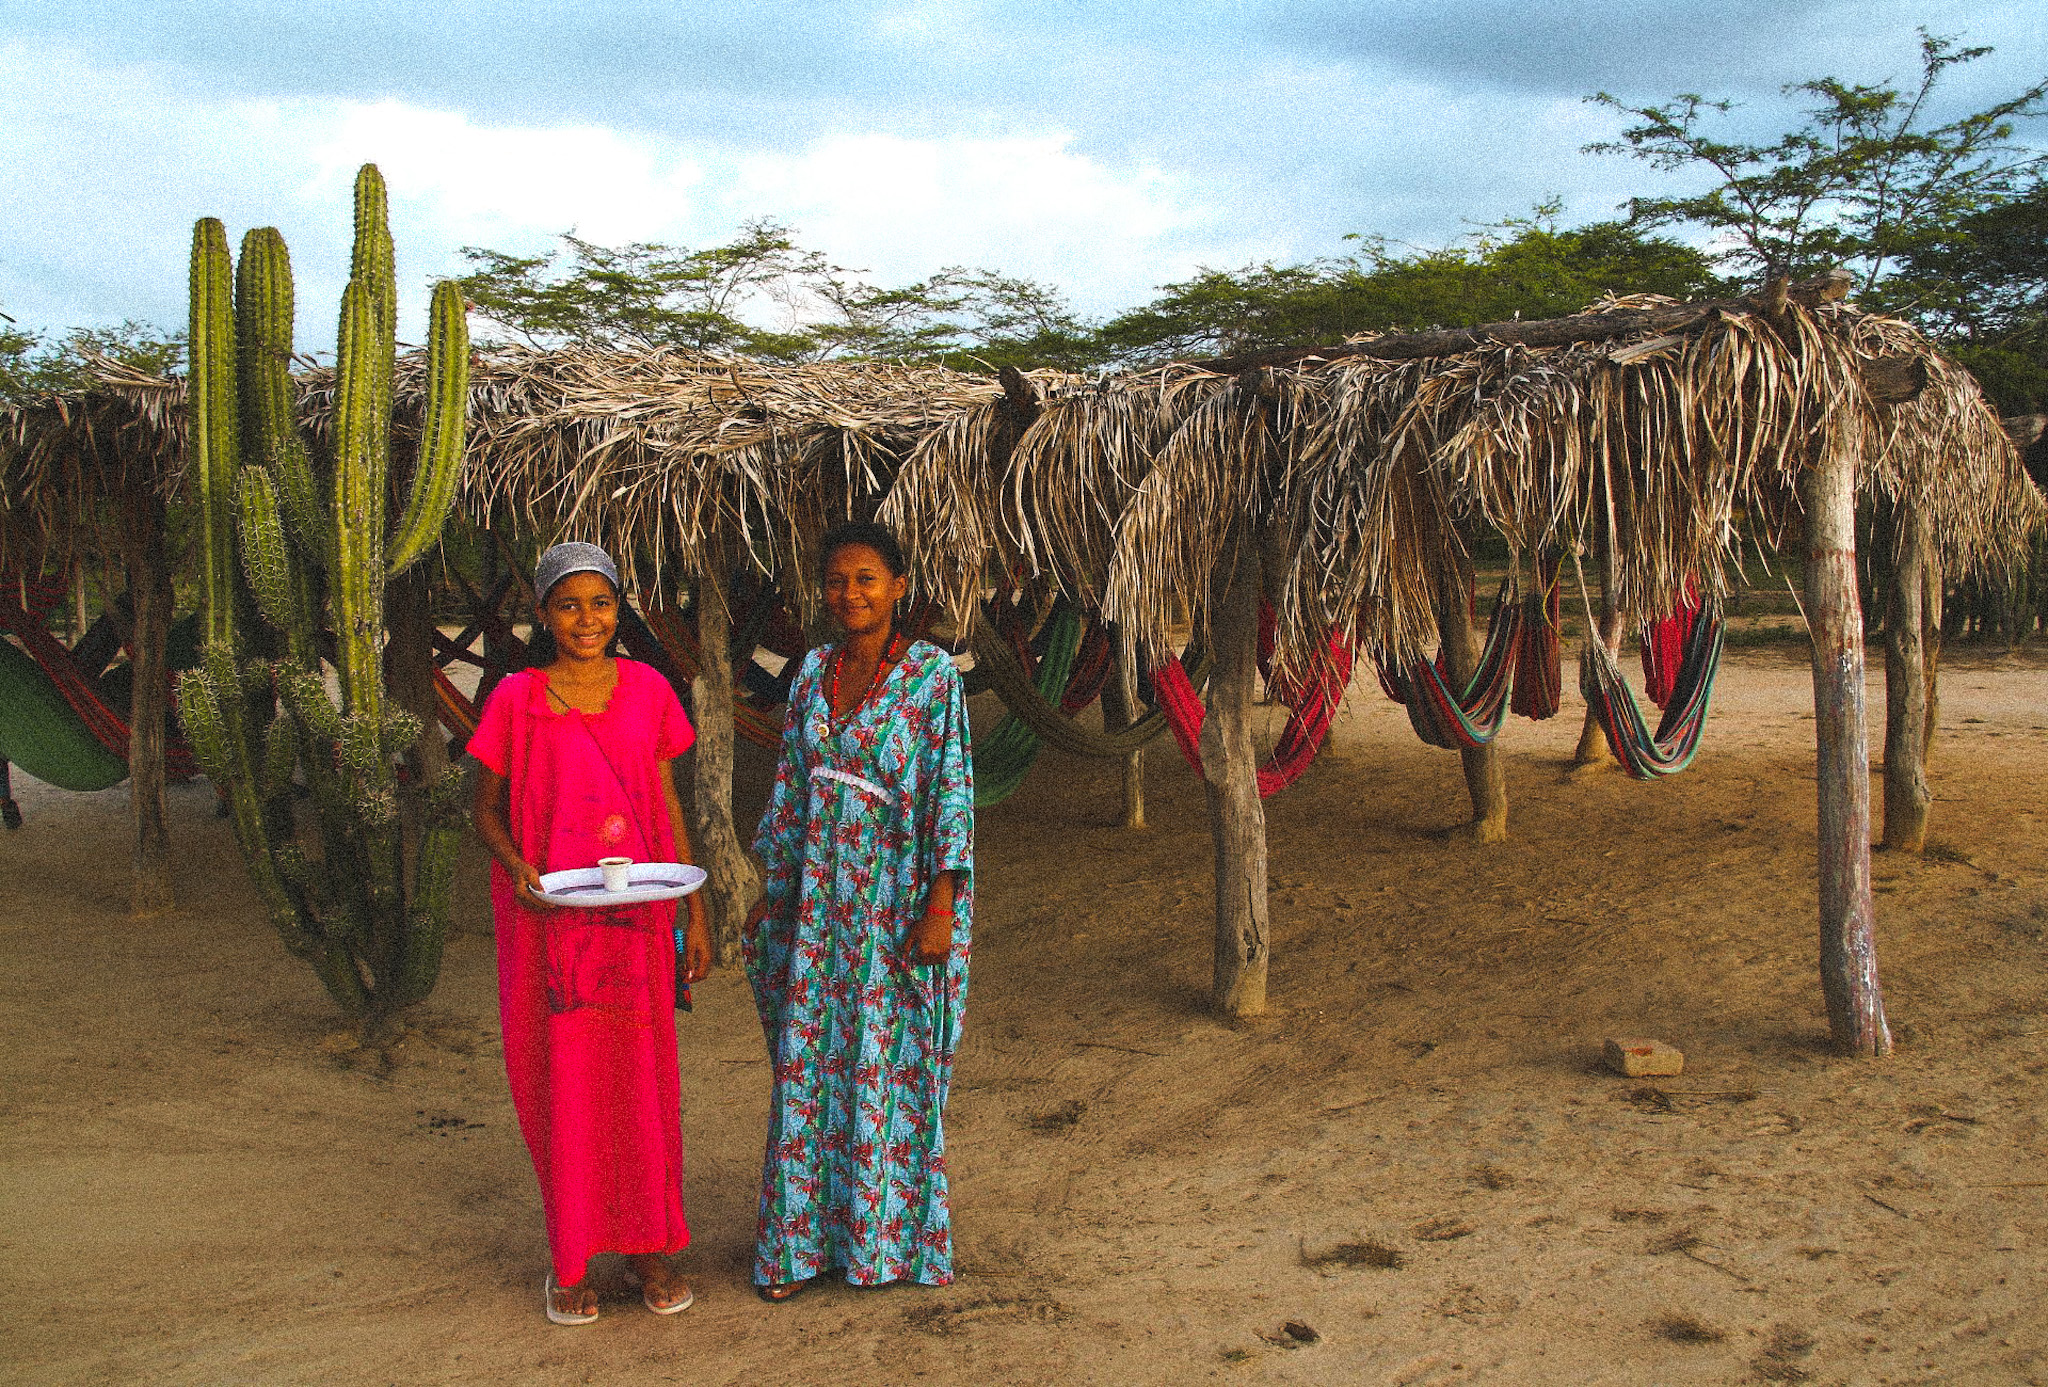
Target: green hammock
point(40, 732)
point(1014, 687)
point(1004, 757)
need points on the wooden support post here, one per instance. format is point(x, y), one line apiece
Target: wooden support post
point(149, 580)
point(1593, 750)
point(1119, 702)
point(1932, 593)
point(409, 665)
point(1906, 671)
point(1485, 781)
point(734, 882)
point(1848, 926)
point(1230, 774)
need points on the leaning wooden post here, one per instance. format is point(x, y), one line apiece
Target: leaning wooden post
point(1906, 668)
point(734, 882)
point(1230, 774)
point(1485, 781)
point(1848, 933)
point(149, 579)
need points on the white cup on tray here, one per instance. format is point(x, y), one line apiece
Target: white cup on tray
point(617, 872)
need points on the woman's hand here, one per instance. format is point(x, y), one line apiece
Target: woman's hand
point(696, 943)
point(526, 885)
point(756, 913)
point(931, 938)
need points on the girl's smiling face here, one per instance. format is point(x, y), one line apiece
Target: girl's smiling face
point(582, 614)
point(860, 591)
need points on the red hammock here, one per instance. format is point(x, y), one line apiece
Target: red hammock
point(29, 626)
point(1091, 669)
point(1314, 703)
point(1665, 642)
point(677, 640)
point(1538, 680)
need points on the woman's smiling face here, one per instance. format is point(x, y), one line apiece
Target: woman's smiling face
point(582, 614)
point(860, 590)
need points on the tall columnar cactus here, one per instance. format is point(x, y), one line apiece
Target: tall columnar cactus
point(296, 558)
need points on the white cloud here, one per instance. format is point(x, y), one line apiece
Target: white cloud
point(1029, 205)
point(101, 232)
point(477, 183)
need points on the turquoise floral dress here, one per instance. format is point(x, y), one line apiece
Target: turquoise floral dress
point(862, 817)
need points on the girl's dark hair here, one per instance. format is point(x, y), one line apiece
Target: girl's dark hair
point(875, 537)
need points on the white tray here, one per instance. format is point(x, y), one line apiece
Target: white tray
point(650, 881)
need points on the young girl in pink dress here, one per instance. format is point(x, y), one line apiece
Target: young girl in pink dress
point(575, 764)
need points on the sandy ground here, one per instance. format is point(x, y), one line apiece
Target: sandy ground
point(1415, 1159)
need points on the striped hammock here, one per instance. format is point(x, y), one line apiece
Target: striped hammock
point(1670, 749)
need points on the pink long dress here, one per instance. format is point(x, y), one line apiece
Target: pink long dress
point(588, 996)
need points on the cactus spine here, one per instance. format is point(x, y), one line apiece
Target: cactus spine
point(335, 881)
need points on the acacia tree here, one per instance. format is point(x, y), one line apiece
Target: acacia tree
point(1865, 182)
point(1983, 290)
point(643, 294)
point(764, 295)
point(1519, 266)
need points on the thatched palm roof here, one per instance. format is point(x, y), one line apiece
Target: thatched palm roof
point(65, 458)
point(1359, 465)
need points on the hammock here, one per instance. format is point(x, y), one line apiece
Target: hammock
point(678, 642)
point(1538, 679)
point(1664, 644)
point(1091, 670)
point(1458, 722)
point(1313, 702)
point(1007, 676)
point(42, 732)
point(57, 722)
point(1677, 739)
point(1004, 757)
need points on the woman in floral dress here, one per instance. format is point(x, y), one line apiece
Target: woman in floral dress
point(858, 947)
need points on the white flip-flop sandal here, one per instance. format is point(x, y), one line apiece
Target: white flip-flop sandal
point(547, 1303)
point(687, 1299)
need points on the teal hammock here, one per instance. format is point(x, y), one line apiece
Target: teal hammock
point(1644, 754)
point(1004, 757)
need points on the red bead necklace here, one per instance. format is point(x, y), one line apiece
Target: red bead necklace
point(890, 656)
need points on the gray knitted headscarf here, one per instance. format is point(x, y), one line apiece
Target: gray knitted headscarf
point(564, 559)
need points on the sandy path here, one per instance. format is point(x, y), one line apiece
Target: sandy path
point(201, 1187)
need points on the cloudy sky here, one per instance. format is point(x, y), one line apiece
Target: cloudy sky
point(1104, 146)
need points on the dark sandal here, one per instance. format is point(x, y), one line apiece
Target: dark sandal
point(775, 1292)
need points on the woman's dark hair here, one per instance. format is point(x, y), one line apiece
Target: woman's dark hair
point(875, 537)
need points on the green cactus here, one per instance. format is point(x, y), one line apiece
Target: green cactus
point(216, 450)
point(333, 875)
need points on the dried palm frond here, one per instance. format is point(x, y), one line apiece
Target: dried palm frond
point(1362, 473)
point(1945, 453)
point(69, 462)
point(1080, 464)
point(1210, 488)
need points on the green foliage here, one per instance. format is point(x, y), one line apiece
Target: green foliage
point(644, 294)
point(1520, 267)
point(1865, 182)
point(651, 295)
point(1982, 289)
point(335, 882)
point(31, 365)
